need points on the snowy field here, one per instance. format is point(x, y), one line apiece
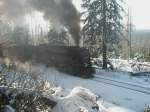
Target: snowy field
point(109, 91)
point(120, 99)
point(119, 96)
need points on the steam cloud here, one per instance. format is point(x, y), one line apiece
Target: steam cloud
point(62, 12)
point(13, 8)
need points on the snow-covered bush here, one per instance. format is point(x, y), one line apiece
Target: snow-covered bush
point(5, 100)
point(20, 84)
point(18, 79)
point(31, 102)
point(24, 101)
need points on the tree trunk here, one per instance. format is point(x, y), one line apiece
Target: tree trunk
point(104, 55)
point(104, 36)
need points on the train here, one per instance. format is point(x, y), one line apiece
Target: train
point(67, 59)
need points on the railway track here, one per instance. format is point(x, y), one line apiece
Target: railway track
point(121, 84)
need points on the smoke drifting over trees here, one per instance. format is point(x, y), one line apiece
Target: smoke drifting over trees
point(60, 12)
point(13, 9)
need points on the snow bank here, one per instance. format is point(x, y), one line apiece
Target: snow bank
point(79, 100)
point(121, 65)
point(130, 65)
point(83, 100)
point(108, 107)
point(117, 109)
point(127, 65)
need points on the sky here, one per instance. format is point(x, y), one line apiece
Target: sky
point(140, 12)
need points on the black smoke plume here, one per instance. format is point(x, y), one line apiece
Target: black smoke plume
point(61, 12)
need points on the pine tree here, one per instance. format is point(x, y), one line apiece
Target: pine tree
point(102, 18)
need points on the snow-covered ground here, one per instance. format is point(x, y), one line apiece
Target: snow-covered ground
point(124, 77)
point(119, 96)
point(127, 65)
point(120, 99)
point(87, 95)
point(80, 99)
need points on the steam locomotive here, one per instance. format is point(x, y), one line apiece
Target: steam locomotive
point(67, 59)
